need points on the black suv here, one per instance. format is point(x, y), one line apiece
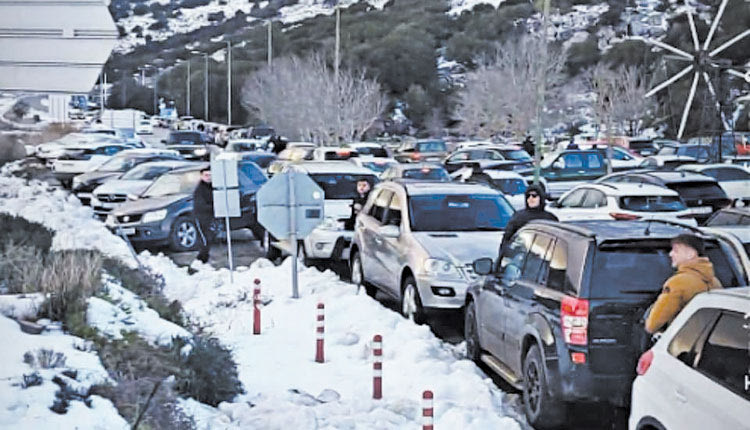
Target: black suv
point(193, 145)
point(560, 316)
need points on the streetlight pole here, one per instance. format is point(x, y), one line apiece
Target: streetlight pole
point(541, 86)
point(187, 111)
point(229, 82)
point(205, 84)
point(270, 43)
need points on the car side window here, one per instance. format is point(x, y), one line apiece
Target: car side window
point(593, 161)
point(514, 257)
point(573, 161)
point(381, 203)
point(554, 271)
point(594, 199)
point(495, 155)
point(683, 344)
point(535, 259)
point(724, 356)
point(461, 156)
point(393, 217)
point(574, 199)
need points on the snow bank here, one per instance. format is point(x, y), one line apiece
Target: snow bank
point(29, 408)
point(459, 6)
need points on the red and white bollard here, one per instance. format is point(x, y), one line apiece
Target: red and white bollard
point(256, 307)
point(427, 411)
point(320, 331)
point(377, 367)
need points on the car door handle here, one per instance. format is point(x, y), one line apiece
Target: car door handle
point(680, 395)
point(378, 240)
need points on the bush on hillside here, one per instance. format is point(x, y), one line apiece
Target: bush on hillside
point(11, 149)
point(20, 109)
point(140, 9)
point(23, 232)
point(69, 278)
point(211, 373)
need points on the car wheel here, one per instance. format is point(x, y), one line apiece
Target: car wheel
point(358, 275)
point(270, 251)
point(541, 409)
point(258, 232)
point(184, 235)
point(411, 305)
point(471, 334)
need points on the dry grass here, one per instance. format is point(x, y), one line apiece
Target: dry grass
point(69, 278)
point(21, 267)
point(44, 358)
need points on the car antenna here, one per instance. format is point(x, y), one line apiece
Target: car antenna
point(648, 228)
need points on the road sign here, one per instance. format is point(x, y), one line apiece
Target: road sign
point(283, 213)
point(54, 46)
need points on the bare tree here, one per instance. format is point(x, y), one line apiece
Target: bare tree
point(632, 105)
point(501, 94)
point(303, 99)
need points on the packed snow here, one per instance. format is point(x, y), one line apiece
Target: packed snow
point(460, 6)
point(284, 386)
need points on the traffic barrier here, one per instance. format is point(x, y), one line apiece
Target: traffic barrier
point(256, 307)
point(427, 411)
point(377, 367)
point(320, 331)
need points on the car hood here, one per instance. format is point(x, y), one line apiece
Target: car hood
point(149, 204)
point(123, 187)
point(97, 177)
point(461, 247)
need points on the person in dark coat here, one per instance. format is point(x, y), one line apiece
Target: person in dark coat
point(528, 145)
point(203, 209)
point(535, 198)
point(363, 192)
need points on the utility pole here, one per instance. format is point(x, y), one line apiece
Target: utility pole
point(229, 83)
point(156, 91)
point(187, 110)
point(205, 85)
point(338, 42)
point(270, 43)
point(541, 86)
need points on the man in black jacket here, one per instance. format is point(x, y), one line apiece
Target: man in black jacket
point(535, 197)
point(363, 192)
point(203, 209)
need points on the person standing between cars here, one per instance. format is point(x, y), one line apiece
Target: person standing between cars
point(695, 274)
point(535, 200)
point(203, 209)
point(363, 192)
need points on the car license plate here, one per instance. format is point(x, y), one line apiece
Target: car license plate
point(85, 195)
point(702, 210)
point(106, 205)
point(128, 231)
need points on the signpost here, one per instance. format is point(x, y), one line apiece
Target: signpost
point(290, 206)
point(226, 198)
point(54, 46)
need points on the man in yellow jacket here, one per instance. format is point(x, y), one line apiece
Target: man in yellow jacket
point(695, 274)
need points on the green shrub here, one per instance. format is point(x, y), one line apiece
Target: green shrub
point(211, 373)
point(21, 232)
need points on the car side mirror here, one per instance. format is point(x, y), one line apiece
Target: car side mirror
point(483, 266)
point(390, 231)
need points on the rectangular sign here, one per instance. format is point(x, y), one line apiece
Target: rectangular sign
point(227, 203)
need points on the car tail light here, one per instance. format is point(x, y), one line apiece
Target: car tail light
point(578, 357)
point(624, 217)
point(415, 156)
point(574, 320)
point(645, 362)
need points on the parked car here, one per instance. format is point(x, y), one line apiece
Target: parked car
point(193, 145)
point(144, 126)
point(511, 184)
point(369, 149)
point(83, 185)
point(422, 171)
point(261, 158)
point(701, 193)
point(131, 185)
point(83, 158)
point(729, 217)
point(696, 374)
point(560, 171)
point(622, 202)
point(293, 154)
point(666, 162)
point(559, 316)
point(738, 236)
point(700, 152)
point(163, 213)
point(245, 145)
point(644, 147)
point(415, 241)
point(332, 153)
point(377, 164)
point(479, 155)
point(622, 159)
point(130, 137)
point(48, 152)
point(421, 150)
point(734, 180)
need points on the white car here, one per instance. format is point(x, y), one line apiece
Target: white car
point(511, 184)
point(376, 164)
point(329, 242)
point(696, 376)
point(369, 148)
point(333, 153)
point(84, 158)
point(51, 150)
point(622, 201)
point(144, 126)
point(733, 179)
point(665, 161)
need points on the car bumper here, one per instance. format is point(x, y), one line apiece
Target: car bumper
point(429, 286)
point(328, 244)
point(153, 232)
point(84, 197)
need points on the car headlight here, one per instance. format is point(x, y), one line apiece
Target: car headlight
point(200, 151)
point(436, 266)
point(132, 197)
point(154, 216)
point(331, 224)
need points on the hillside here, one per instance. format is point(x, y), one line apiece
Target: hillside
point(417, 49)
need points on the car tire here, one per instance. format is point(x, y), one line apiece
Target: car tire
point(471, 333)
point(270, 251)
point(184, 235)
point(542, 410)
point(411, 304)
point(358, 275)
point(258, 232)
point(302, 255)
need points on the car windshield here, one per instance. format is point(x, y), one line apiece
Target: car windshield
point(459, 212)
point(517, 154)
point(144, 172)
point(668, 150)
point(375, 166)
point(374, 151)
point(511, 186)
point(117, 164)
point(728, 218)
point(174, 183)
point(340, 186)
point(431, 146)
point(127, 133)
point(651, 258)
point(652, 203)
point(185, 139)
point(241, 146)
point(428, 173)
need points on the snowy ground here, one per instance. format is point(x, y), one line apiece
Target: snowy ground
point(277, 368)
point(460, 6)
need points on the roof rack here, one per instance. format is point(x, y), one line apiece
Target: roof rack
point(679, 224)
point(563, 226)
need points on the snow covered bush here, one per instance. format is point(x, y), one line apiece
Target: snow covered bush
point(23, 247)
point(44, 358)
point(22, 232)
point(211, 373)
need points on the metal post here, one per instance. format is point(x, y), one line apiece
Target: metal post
point(229, 83)
point(293, 233)
point(540, 96)
point(156, 91)
point(143, 75)
point(104, 92)
point(187, 110)
point(226, 220)
point(270, 43)
point(338, 42)
point(205, 84)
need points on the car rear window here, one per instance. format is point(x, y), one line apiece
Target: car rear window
point(185, 139)
point(652, 203)
point(341, 186)
point(642, 267)
point(428, 173)
point(727, 218)
point(432, 146)
point(375, 152)
point(698, 190)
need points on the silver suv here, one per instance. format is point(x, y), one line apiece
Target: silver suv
point(416, 241)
